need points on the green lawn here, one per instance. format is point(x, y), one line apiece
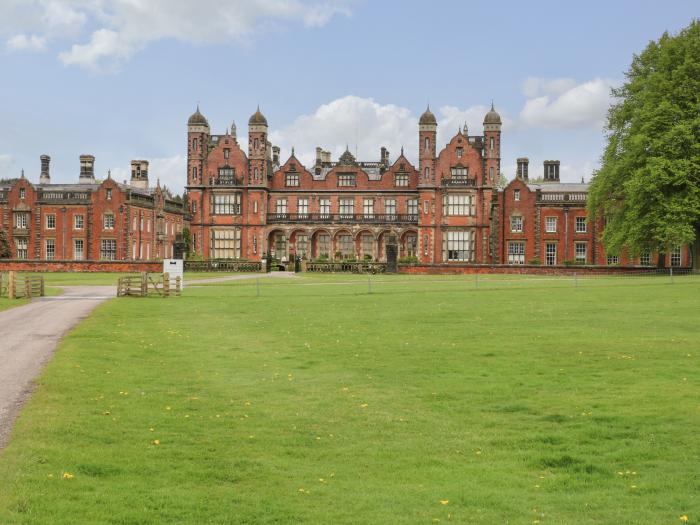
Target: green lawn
point(6, 303)
point(500, 400)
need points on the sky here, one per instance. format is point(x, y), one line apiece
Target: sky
point(119, 78)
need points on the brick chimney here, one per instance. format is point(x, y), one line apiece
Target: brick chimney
point(276, 155)
point(139, 174)
point(45, 177)
point(551, 170)
point(521, 173)
point(87, 169)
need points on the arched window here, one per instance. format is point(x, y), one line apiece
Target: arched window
point(427, 173)
point(194, 174)
point(427, 143)
point(194, 144)
point(255, 173)
point(491, 142)
point(255, 143)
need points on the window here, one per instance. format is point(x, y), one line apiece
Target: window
point(255, 244)
point(324, 244)
point(255, 173)
point(645, 259)
point(255, 206)
point(226, 203)
point(412, 207)
point(401, 179)
point(325, 208)
point(460, 174)
point(226, 243)
point(22, 193)
point(367, 244)
point(550, 253)
point(227, 153)
point(491, 143)
point(108, 249)
point(516, 224)
point(427, 143)
point(108, 221)
point(458, 245)
point(426, 207)
point(255, 143)
point(345, 246)
point(22, 244)
point(426, 246)
point(109, 194)
point(613, 260)
point(21, 220)
point(491, 173)
point(347, 208)
point(302, 244)
point(194, 206)
point(516, 253)
point(346, 179)
point(368, 208)
point(79, 222)
point(51, 222)
point(141, 221)
point(227, 175)
point(580, 249)
point(458, 204)
point(280, 245)
point(148, 225)
point(291, 179)
point(411, 244)
point(390, 208)
point(427, 174)
point(676, 256)
point(550, 224)
point(281, 207)
point(303, 207)
point(516, 195)
point(194, 143)
point(580, 225)
point(194, 174)
point(459, 151)
point(50, 249)
point(78, 248)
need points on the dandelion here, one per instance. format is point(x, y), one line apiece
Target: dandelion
point(363, 405)
point(168, 408)
point(155, 442)
point(683, 518)
point(444, 501)
point(106, 413)
point(67, 475)
point(152, 429)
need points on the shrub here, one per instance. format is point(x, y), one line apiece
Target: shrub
point(535, 261)
point(408, 259)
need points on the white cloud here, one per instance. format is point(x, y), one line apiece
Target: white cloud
point(6, 162)
point(123, 27)
point(560, 103)
point(23, 42)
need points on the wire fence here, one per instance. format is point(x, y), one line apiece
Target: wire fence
point(344, 284)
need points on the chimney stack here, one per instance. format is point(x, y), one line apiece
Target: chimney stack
point(45, 177)
point(551, 170)
point(385, 157)
point(276, 155)
point(139, 174)
point(521, 173)
point(87, 169)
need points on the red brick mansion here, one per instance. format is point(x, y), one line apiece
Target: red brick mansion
point(448, 209)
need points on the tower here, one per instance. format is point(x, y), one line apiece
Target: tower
point(197, 146)
point(257, 148)
point(427, 136)
point(492, 145)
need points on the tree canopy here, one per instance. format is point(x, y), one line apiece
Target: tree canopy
point(648, 186)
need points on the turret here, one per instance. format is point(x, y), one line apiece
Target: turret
point(427, 136)
point(257, 147)
point(492, 145)
point(197, 147)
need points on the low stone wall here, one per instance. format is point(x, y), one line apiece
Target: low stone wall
point(533, 269)
point(16, 265)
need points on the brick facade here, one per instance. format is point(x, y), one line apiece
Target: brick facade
point(90, 220)
point(245, 204)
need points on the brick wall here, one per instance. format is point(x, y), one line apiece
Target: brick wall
point(80, 266)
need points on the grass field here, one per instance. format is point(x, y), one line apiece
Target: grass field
point(493, 401)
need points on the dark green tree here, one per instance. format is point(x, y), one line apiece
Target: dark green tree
point(648, 186)
point(5, 251)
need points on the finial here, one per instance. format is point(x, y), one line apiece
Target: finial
point(582, 181)
point(198, 106)
point(492, 105)
point(22, 172)
point(292, 151)
point(226, 130)
point(401, 149)
point(109, 174)
point(158, 182)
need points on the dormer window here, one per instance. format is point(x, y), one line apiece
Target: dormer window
point(109, 194)
point(22, 193)
point(460, 152)
point(291, 179)
point(516, 195)
point(401, 179)
point(460, 173)
point(227, 153)
point(346, 179)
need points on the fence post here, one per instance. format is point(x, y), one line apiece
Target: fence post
point(575, 280)
point(257, 287)
point(369, 284)
point(166, 284)
point(671, 273)
point(144, 284)
point(42, 285)
point(11, 285)
point(178, 285)
point(27, 287)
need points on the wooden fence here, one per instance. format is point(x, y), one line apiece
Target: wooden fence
point(346, 267)
point(149, 285)
point(17, 286)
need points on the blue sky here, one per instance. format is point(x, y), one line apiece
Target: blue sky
point(118, 79)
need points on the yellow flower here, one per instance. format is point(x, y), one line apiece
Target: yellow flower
point(683, 518)
point(155, 442)
point(364, 405)
point(444, 501)
point(67, 475)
